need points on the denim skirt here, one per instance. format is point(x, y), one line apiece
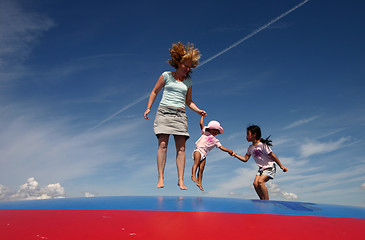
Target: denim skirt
point(170, 120)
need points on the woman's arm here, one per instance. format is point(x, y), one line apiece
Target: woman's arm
point(191, 104)
point(276, 159)
point(158, 86)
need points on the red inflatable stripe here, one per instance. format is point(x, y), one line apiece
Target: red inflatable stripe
point(176, 225)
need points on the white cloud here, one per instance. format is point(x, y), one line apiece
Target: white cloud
point(4, 191)
point(239, 184)
point(38, 147)
point(315, 147)
point(20, 31)
point(274, 190)
point(87, 194)
point(31, 191)
point(239, 178)
point(301, 122)
point(340, 186)
point(287, 195)
point(54, 190)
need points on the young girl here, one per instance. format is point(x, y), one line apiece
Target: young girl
point(264, 157)
point(204, 145)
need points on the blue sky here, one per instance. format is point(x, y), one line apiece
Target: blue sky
point(75, 75)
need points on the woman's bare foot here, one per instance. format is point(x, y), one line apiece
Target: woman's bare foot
point(182, 185)
point(200, 186)
point(194, 179)
point(160, 183)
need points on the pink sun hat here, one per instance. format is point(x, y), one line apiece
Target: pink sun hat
point(215, 125)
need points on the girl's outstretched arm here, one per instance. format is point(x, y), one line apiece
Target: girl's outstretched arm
point(276, 159)
point(241, 158)
point(202, 122)
point(229, 151)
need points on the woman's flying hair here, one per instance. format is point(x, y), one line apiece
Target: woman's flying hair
point(180, 53)
point(254, 129)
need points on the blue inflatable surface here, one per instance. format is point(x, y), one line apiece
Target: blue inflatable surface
point(190, 204)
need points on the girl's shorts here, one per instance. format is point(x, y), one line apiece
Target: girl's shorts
point(202, 156)
point(170, 120)
point(270, 172)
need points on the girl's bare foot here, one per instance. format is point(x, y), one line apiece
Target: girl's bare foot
point(200, 186)
point(194, 179)
point(160, 183)
point(182, 185)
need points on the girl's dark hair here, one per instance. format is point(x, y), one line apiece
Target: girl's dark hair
point(256, 130)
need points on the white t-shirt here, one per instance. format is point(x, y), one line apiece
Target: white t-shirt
point(260, 154)
point(206, 142)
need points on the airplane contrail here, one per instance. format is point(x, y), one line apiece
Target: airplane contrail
point(252, 34)
point(120, 111)
point(206, 61)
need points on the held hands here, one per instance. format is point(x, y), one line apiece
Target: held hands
point(203, 113)
point(230, 152)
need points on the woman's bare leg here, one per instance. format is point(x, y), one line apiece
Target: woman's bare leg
point(180, 160)
point(163, 140)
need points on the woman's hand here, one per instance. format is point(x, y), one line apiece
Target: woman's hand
point(203, 113)
point(147, 112)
